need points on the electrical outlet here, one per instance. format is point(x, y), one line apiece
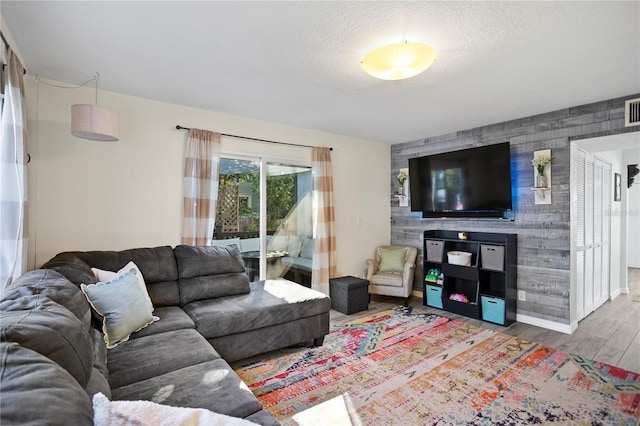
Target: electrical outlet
point(522, 295)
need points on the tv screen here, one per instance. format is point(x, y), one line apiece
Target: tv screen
point(472, 182)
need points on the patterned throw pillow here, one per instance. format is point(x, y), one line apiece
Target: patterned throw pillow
point(122, 305)
point(392, 260)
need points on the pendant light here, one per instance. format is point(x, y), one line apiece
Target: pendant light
point(94, 122)
point(399, 60)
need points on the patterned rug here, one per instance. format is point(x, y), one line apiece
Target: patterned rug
point(402, 367)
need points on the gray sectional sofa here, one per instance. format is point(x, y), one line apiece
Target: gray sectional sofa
point(53, 357)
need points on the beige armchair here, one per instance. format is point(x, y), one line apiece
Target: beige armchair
point(391, 272)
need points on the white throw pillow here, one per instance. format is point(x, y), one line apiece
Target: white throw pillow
point(107, 276)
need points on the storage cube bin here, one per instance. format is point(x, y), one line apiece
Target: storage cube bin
point(492, 257)
point(349, 294)
point(434, 296)
point(492, 309)
point(435, 249)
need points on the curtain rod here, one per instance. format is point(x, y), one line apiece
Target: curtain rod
point(179, 127)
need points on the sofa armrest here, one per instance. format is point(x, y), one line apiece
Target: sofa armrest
point(408, 273)
point(373, 267)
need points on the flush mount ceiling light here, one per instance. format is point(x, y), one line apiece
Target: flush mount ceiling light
point(399, 60)
point(93, 121)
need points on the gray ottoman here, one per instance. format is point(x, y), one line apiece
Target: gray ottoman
point(349, 294)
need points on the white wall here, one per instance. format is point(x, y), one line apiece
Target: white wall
point(632, 156)
point(618, 237)
point(90, 195)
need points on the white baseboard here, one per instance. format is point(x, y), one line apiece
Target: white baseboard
point(549, 325)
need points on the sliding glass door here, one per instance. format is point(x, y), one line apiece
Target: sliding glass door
point(265, 208)
point(288, 222)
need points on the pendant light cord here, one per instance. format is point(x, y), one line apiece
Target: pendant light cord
point(97, 78)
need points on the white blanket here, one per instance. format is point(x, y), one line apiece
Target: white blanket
point(143, 413)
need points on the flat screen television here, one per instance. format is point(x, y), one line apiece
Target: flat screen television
point(473, 182)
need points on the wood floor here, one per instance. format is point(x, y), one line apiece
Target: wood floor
point(611, 334)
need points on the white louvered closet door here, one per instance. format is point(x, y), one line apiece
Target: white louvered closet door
point(593, 215)
point(580, 165)
point(588, 234)
point(601, 227)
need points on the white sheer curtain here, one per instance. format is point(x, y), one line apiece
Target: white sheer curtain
point(13, 175)
point(201, 169)
point(324, 239)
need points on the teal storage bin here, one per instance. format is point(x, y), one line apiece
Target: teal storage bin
point(492, 309)
point(434, 296)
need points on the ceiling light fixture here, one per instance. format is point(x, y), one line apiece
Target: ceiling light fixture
point(94, 122)
point(399, 60)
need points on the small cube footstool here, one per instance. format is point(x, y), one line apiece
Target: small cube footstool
point(349, 294)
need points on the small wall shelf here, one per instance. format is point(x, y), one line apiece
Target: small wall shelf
point(542, 194)
point(403, 200)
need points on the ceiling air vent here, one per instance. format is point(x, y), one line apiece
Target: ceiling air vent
point(632, 112)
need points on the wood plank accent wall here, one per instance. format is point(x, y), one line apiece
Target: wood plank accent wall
point(543, 230)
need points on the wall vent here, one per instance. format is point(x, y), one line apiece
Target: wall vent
point(632, 112)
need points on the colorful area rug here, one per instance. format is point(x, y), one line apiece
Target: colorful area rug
point(409, 368)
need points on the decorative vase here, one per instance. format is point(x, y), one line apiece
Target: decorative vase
point(400, 190)
point(541, 181)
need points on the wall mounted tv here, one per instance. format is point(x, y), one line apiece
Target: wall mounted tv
point(473, 182)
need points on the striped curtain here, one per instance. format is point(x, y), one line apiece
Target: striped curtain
point(324, 240)
point(13, 175)
point(201, 167)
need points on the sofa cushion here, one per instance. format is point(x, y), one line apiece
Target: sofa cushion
point(149, 356)
point(164, 293)
point(294, 247)
point(263, 418)
point(157, 264)
point(212, 385)
point(270, 302)
point(51, 285)
point(72, 267)
point(233, 347)
point(307, 248)
point(98, 381)
point(210, 272)
point(37, 391)
point(226, 242)
point(302, 263)
point(52, 331)
point(277, 242)
point(249, 244)
point(99, 352)
point(98, 384)
point(171, 318)
point(122, 305)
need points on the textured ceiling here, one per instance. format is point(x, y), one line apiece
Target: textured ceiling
point(297, 63)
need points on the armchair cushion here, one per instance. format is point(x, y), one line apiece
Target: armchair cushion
point(387, 279)
point(392, 260)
